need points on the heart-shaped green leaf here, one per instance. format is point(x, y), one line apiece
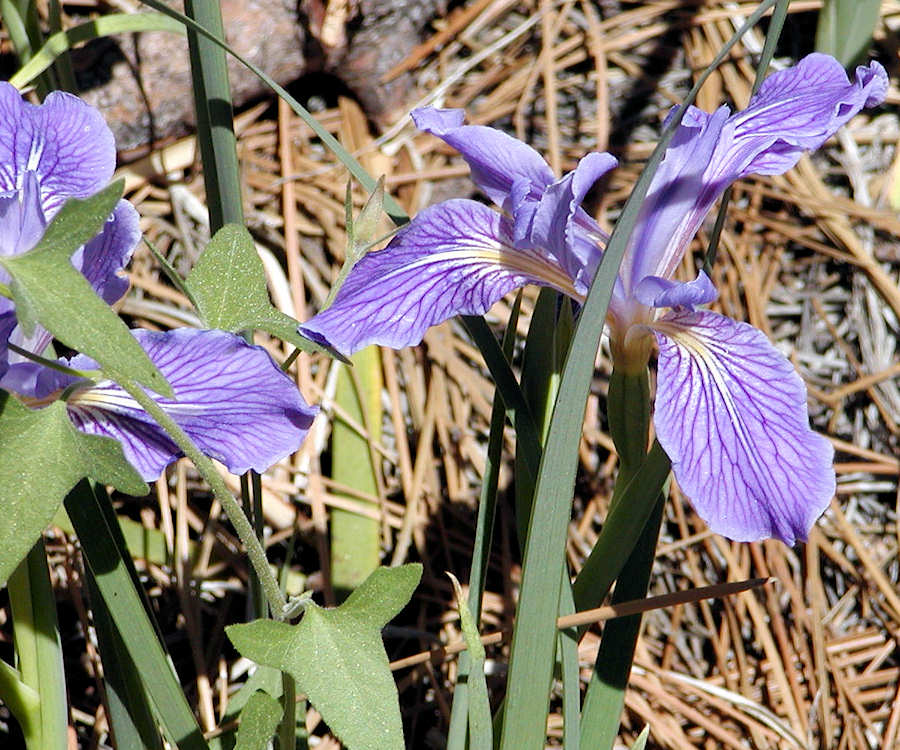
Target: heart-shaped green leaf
point(42, 456)
point(338, 659)
point(228, 285)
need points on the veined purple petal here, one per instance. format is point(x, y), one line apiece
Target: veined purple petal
point(455, 258)
point(560, 224)
point(103, 258)
point(232, 400)
point(653, 291)
point(495, 158)
point(731, 415)
point(796, 110)
point(678, 200)
point(22, 220)
point(64, 141)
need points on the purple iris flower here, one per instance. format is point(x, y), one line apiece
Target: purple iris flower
point(730, 410)
point(231, 398)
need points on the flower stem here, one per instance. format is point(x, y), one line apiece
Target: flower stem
point(252, 545)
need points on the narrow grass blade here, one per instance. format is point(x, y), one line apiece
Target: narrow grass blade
point(481, 549)
point(570, 672)
point(62, 41)
point(621, 530)
point(480, 729)
point(393, 209)
point(132, 722)
point(65, 74)
point(606, 691)
point(776, 24)
point(91, 514)
point(38, 648)
point(215, 124)
point(532, 654)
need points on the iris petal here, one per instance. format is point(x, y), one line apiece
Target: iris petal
point(730, 412)
point(796, 110)
point(232, 400)
point(656, 292)
point(562, 226)
point(496, 159)
point(456, 258)
point(64, 141)
point(103, 258)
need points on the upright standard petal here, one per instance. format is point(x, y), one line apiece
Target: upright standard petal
point(496, 159)
point(64, 141)
point(231, 399)
point(796, 110)
point(455, 258)
point(730, 412)
point(560, 225)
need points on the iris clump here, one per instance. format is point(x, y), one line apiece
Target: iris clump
point(231, 398)
point(730, 411)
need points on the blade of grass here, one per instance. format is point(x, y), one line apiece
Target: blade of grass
point(92, 516)
point(20, 20)
point(393, 209)
point(481, 550)
point(845, 28)
point(765, 59)
point(38, 647)
point(532, 654)
point(132, 722)
point(356, 539)
point(62, 41)
point(605, 696)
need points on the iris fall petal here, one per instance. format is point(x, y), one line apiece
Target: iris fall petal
point(731, 415)
point(456, 258)
point(232, 400)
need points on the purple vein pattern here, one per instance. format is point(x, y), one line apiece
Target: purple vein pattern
point(730, 410)
point(231, 398)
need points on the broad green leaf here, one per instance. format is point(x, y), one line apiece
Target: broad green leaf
point(338, 659)
point(114, 23)
point(42, 456)
point(47, 289)
point(355, 538)
point(228, 284)
point(259, 720)
point(845, 28)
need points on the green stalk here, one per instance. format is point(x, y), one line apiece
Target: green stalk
point(215, 124)
point(481, 550)
point(534, 636)
point(38, 650)
point(125, 613)
point(629, 422)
